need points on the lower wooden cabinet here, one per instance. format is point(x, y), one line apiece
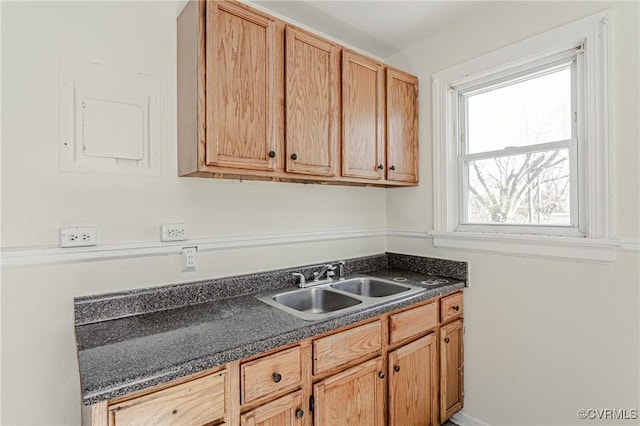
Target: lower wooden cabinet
point(196, 402)
point(451, 369)
point(285, 411)
point(413, 383)
point(402, 368)
point(354, 397)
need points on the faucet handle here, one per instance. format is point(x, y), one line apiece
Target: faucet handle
point(302, 279)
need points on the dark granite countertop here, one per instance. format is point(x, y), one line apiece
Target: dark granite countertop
point(131, 353)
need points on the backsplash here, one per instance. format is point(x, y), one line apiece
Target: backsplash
point(91, 309)
point(428, 265)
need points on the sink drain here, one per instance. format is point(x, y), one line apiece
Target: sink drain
point(400, 279)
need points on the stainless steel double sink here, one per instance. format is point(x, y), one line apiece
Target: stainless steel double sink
point(338, 297)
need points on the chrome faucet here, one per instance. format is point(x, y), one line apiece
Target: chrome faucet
point(327, 271)
point(341, 270)
point(302, 283)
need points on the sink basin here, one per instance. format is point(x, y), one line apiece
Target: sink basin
point(369, 287)
point(328, 300)
point(315, 300)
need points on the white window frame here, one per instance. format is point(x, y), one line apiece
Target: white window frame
point(592, 241)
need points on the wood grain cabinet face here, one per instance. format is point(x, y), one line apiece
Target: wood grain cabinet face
point(270, 374)
point(285, 411)
point(412, 322)
point(362, 117)
point(451, 369)
point(345, 347)
point(402, 126)
point(311, 103)
point(413, 384)
point(242, 85)
point(451, 307)
point(197, 402)
point(354, 397)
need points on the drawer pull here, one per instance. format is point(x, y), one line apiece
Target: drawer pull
point(396, 368)
point(299, 413)
point(381, 375)
point(446, 340)
point(294, 156)
point(276, 377)
point(456, 308)
point(272, 154)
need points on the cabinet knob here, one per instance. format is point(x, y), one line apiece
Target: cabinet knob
point(294, 156)
point(299, 413)
point(272, 154)
point(456, 308)
point(392, 167)
point(380, 166)
point(276, 377)
point(446, 340)
point(381, 375)
point(396, 368)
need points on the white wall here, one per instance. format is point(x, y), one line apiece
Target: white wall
point(543, 338)
point(40, 383)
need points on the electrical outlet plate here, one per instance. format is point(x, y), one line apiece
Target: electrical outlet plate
point(173, 232)
point(189, 258)
point(78, 236)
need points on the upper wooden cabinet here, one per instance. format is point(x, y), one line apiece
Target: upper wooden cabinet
point(311, 103)
point(262, 99)
point(363, 118)
point(243, 82)
point(402, 126)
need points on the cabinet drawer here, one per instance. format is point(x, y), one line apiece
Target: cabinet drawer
point(270, 374)
point(414, 321)
point(341, 348)
point(451, 307)
point(197, 402)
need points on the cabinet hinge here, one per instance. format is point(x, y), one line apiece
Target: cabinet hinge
point(311, 404)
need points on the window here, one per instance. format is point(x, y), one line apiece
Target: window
point(518, 150)
point(521, 147)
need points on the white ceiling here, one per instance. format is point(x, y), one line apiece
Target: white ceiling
point(380, 27)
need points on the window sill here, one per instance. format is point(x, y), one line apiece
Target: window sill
point(551, 247)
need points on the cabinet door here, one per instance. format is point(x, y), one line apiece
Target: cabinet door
point(312, 103)
point(402, 126)
point(413, 384)
point(285, 411)
point(362, 117)
point(354, 397)
point(242, 86)
point(451, 369)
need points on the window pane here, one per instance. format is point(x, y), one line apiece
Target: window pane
point(528, 112)
point(530, 188)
